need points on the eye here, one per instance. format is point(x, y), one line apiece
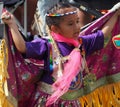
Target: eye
point(70, 24)
point(78, 21)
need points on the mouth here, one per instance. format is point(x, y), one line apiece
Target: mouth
point(76, 34)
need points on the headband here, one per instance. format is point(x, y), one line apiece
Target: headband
point(61, 14)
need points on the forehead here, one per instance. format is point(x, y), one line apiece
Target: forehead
point(69, 18)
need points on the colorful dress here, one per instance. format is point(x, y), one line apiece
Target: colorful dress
point(40, 49)
point(28, 89)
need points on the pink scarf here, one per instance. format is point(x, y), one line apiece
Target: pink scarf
point(61, 38)
point(71, 69)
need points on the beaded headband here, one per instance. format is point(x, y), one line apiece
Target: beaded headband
point(60, 14)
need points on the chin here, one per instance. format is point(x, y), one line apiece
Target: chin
point(75, 37)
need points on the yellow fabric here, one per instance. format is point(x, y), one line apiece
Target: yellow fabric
point(4, 75)
point(105, 96)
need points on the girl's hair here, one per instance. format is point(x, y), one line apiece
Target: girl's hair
point(55, 19)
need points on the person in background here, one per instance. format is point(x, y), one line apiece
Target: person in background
point(63, 55)
point(43, 6)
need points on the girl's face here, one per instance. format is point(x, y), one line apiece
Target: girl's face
point(69, 26)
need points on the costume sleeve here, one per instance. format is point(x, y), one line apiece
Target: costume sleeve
point(37, 49)
point(93, 42)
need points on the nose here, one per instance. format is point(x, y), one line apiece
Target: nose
point(77, 26)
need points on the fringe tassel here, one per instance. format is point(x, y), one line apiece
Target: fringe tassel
point(71, 69)
point(4, 102)
point(106, 96)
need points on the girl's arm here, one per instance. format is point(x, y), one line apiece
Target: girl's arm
point(19, 42)
point(108, 27)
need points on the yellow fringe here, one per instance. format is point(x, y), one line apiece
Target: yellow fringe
point(105, 96)
point(4, 75)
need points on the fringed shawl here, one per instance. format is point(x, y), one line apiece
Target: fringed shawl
point(105, 64)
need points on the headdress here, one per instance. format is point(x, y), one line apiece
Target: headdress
point(61, 14)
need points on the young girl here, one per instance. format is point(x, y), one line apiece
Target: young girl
point(63, 74)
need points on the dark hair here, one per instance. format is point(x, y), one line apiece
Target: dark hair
point(55, 20)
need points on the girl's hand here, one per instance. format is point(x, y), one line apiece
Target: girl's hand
point(118, 12)
point(115, 7)
point(8, 18)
